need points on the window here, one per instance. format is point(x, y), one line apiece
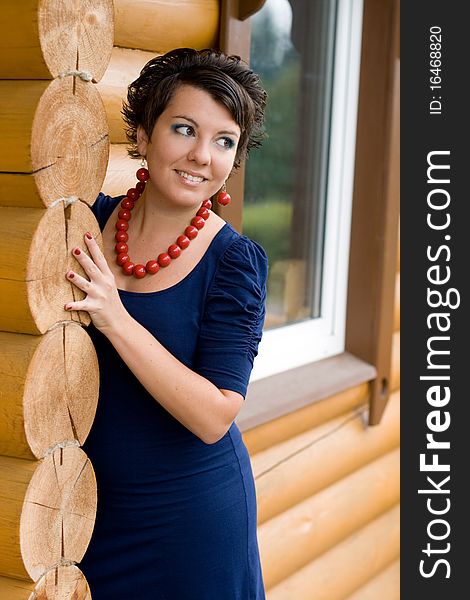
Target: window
point(298, 188)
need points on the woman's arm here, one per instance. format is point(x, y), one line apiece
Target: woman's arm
point(193, 400)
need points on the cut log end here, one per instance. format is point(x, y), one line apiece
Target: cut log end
point(58, 512)
point(51, 258)
point(62, 583)
point(37, 255)
point(61, 407)
point(89, 40)
point(69, 141)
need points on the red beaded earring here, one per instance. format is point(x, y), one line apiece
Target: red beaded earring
point(143, 176)
point(223, 197)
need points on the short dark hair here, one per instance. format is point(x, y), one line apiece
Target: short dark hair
point(226, 78)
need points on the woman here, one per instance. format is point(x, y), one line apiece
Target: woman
point(176, 332)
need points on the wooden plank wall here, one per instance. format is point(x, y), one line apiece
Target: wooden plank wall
point(328, 496)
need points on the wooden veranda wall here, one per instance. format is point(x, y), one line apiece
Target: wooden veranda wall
point(53, 156)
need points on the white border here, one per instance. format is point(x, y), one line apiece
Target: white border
point(294, 345)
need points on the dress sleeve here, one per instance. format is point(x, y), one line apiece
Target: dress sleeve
point(233, 317)
point(103, 207)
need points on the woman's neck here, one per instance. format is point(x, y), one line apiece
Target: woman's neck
point(154, 221)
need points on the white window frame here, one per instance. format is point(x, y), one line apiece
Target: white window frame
point(294, 345)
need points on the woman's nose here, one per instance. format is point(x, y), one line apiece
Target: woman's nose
point(200, 152)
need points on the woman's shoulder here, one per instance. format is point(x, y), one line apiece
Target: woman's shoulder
point(242, 248)
point(242, 260)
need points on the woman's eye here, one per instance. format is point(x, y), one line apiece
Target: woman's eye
point(226, 142)
point(185, 130)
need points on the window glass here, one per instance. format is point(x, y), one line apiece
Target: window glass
point(285, 186)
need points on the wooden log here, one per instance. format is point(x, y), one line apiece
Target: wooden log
point(15, 475)
point(298, 536)
point(61, 583)
point(37, 252)
point(346, 567)
point(124, 67)
point(32, 274)
point(395, 371)
point(385, 585)
point(120, 175)
point(50, 37)
point(49, 390)
point(271, 433)
point(56, 134)
point(299, 468)
point(159, 25)
point(16, 589)
point(47, 511)
point(396, 306)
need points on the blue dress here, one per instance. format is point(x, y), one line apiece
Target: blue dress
point(176, 517)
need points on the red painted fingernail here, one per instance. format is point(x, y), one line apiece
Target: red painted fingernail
point(76, 251)
point(88, 235)
point(67, 307)
point(71, 275)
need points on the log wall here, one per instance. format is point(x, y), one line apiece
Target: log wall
point(327, 485)
point(327, 488)
point(53, 158)
point(161, 26)
point(54, 142)
point(47, 38)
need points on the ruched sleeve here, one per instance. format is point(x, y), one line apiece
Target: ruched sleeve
point(233, 316)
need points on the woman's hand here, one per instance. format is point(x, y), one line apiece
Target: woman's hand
point(102, 299)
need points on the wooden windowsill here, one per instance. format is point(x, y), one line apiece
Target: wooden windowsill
point(283, 393)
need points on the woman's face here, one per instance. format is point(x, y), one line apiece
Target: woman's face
point(191, 150)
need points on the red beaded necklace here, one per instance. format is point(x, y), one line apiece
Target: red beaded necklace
point(174, 250)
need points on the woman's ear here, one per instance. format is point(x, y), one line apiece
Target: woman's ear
point(142, 140)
